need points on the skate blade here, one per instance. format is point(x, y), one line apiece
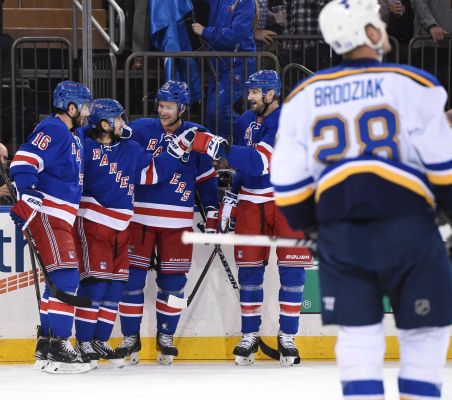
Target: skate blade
point(118, 362)
point(40, 365)
point(244, 361)
point(163, 359)
point(54, 367)
point(287, 361)
point(93, 364)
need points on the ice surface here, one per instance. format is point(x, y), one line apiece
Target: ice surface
point(190, 381)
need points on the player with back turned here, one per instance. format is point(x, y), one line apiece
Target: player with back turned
point(368, 146)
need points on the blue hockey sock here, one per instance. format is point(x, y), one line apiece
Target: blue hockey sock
point(86, 317)
point(43, 313)
point(61, 315)
point(132, 302)
point(251, 281)
point(290, 298)
point(168, 317)
point(108, 310)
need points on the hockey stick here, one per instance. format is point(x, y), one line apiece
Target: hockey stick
point(246, 240)
point(67, 298)
point(266, 349)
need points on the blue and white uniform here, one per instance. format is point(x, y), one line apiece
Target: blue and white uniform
point(161, 213)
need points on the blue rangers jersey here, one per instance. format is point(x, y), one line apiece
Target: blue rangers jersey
point(110, 175)
point(170, 204)
point(363, 140)
point(51, 162)
point(255, 138)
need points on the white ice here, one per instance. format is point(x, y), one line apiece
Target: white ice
point(190, 381)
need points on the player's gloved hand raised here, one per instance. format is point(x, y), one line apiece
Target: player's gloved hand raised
point(180, 146)
point(25, 209)
point(211, 222)
point(214, 146)
point(227, 213)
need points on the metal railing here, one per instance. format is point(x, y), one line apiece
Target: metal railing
point(217, 87)
point(300, 72)
point(435, 58)
point(113, 10)
point(105, 76)
point(36, 81)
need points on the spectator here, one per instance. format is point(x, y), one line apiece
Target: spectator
point(432, 17)
point(265, 18)
point(399, 18)
point(140, 31)
point(5, 198)
point(230, 29)
point(303, 18)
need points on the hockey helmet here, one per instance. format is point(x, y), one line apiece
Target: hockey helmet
point(175, 91)
point(105, 109)
point(265, 80)
point(67, 92)
point(343, 24)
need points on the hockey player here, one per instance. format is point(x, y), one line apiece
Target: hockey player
point(372, 150)
point(48, 177)
point(113, 166)
point(255, 213)
point(162, 212)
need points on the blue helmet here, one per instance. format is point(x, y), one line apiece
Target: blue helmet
point(265, 80)
point(67, 92)
point(176, 91)
point(105, 109)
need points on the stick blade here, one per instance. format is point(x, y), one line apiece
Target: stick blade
point(177, 302)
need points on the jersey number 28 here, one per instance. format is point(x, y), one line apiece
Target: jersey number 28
point(376, 128)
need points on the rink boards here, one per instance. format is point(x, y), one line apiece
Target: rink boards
point(208, 330)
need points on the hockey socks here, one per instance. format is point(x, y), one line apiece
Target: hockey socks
point(61, 315)
point(168, 317)
point(132, 302)
point(108, 310)
point(290, 298)
point(86, 318)
point(251, 296)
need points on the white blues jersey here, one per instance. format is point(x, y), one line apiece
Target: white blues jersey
point(363, 140)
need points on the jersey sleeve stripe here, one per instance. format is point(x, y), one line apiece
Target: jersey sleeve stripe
point(385, 171)
point(25, 157)
point(149, 175)
point(211, 173)
point(265, 151)
point(423, 80)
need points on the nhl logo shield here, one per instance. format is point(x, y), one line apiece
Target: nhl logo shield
point(422, 307)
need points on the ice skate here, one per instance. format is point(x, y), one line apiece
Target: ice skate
point(129, 348)
point(107, 353)
point(63, 359)
point(87, 353)
point(166, 349)
point(288, 353)
point(244, 352)
point(42, 349)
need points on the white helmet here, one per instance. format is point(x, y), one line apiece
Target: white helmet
point(343, 24)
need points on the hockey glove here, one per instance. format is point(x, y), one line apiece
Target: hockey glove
point(180, 146)
point(227, 213)
point(25, 209)
point(214, 146)
point(211, 222)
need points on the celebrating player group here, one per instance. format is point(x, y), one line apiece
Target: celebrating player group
point(359, 154)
